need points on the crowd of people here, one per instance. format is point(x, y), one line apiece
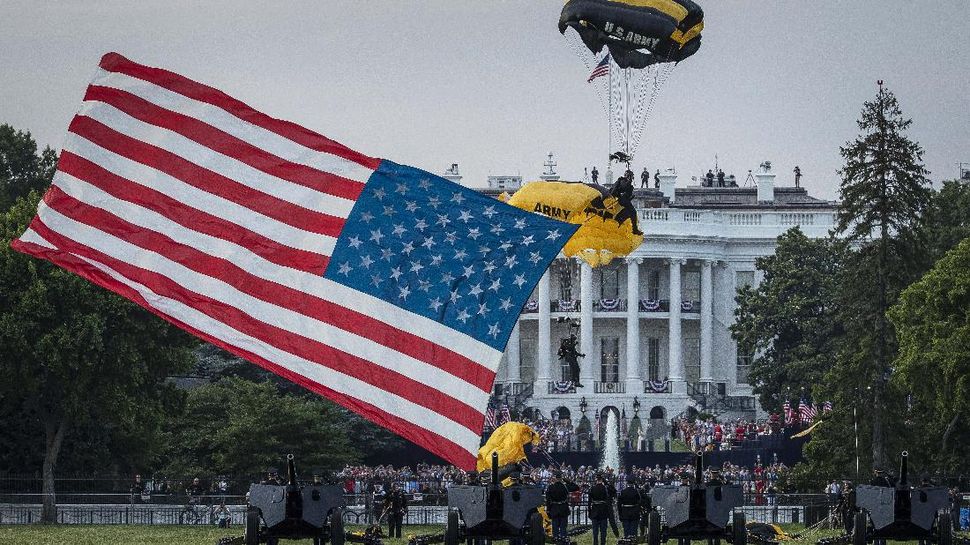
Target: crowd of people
point(710, 434)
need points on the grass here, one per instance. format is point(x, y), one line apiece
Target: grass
point(196, 535)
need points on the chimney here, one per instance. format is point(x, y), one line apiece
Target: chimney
point(766, 186)
point(452, 174)
point(668, 183)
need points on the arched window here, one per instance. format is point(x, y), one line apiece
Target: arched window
point(657, 413)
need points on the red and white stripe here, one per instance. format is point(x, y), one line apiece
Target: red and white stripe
point(221, 220)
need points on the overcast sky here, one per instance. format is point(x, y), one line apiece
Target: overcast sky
point(494, 86)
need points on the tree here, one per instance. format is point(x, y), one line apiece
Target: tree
point(21, 169)
point(235, 426)
point(788, 321)
point(947, 219)
point(72, 353)
point(884, 194)
point(932, 320)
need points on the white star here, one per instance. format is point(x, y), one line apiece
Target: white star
point(482, 309)
point(405, 291)
point(553, 235)
point(435, 202)
point(506, 304)
point(376, 280)
point(389, 211)
point(366, 217)
point(489, 212)
point(401, 188)
point(344, 268)
point(428, 242)
point(520, 223)
point(454, 296)
point(458, 198)
point(505, 245)
point(489, 266)
point(511, 261)
point(436, 259)
point(474, 233)
point(447, 278)
point(395, 273)
point(519, 280)
point(443, 220)
point(425, 183)
point(535, 257)
point(461, 254)
point(451, 237)
point(424, 285)
point(493, 330)
point(497, 229)
point(366, 261)
point(387, 254)
point(376, 236)
point(484, 250)
point(476, 290)
point(421, 224)
point(408, 248)
point(399, 230)
point(528, 240)
point(354, 241)
point(411, 206)
point(496, 285)
point(469, 271)
point(435, 304)
point(379, 193)
point(416, 266)
point(465, 215)
point(463, 316)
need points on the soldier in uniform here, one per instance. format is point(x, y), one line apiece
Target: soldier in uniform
point(715, 479)
point(880, 478)
point(569, 353)
point(599, 505)
point(630, 506)
point(557, 503)
point(396, 506)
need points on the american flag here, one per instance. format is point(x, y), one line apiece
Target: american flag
point(826, 407)
point(601, 69)
point(805, 411)
point(490, 418)
point(789, 414)
point(505, 415)
point(382, 287)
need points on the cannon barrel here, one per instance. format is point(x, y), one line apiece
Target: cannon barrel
point(903, 470)
point(699, 469)
point(495, 481)
point(290, 470)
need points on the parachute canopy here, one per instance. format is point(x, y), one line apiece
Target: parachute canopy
point(606, 225)
point(509, 441)
point(638, 33)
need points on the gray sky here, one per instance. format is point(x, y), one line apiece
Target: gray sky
point(493, 85)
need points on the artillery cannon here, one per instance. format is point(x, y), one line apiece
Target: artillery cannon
point(292, 511)
point(493, 512)
point(901, 512)
point(697, 511)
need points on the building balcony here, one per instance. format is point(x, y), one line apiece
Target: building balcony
point(561, 387)
point(609, 387)
point(731, 223)
point(609, 305)
point(656, 387)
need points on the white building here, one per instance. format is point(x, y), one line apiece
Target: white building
point(654, 326)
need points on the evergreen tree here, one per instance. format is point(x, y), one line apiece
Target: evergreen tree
point(22, 170)
point(884, 193)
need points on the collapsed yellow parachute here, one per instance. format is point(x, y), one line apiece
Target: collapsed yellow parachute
point(599, 238)
point(509, 441)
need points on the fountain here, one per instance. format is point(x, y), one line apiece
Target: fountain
point(611, 447)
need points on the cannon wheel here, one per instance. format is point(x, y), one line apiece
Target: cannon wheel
point(944, 528)
point(336, 522)
point(739, 529)
point(537, 534)
point(451, 531)
point(653, 528)
point(859, 529)
point(252, 526)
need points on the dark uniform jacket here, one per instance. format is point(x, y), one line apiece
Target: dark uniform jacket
point(629, 503)
point(598, 502)
point(396, 503)
point(557, 499)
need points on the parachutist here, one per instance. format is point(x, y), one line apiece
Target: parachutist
point(569, 354)
point(623, 191)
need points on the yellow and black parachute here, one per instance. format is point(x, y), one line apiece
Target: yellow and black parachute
point(606, 226)
point(638, 33)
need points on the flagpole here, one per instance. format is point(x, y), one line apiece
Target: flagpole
point(609, 145)
point(855, 425)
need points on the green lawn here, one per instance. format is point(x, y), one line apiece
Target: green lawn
point(194, 535)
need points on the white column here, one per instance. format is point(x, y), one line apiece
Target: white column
point(586, 324)
point(707, 318)
point(543, 343)
point(513, 370)
point(677, 383)
point(634, 381)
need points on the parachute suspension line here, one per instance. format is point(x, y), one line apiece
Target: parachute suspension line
point(626, 108)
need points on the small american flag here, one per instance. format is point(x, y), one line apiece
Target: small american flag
point(506, 416)
point(490, 418)
point(826, 407)
point(601, 69)
point(789, 413)
point(383, 287)
point(805, 411)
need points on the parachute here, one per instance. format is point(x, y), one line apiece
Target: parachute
point(509, 441)
point(606, 225)
point(644, 40)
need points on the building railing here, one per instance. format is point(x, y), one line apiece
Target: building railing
point(654, 305)
point(565, 305)
point(561, 387)
point(609, 387)
point(710, 222)
point(656, 387)
point(609, 305)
